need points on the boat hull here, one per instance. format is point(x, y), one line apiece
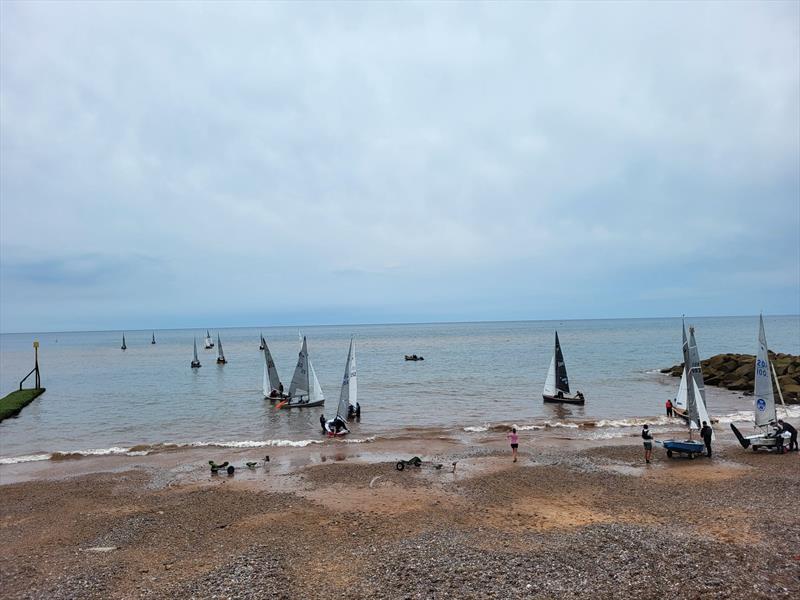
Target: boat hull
point(688, 447)
point(564, 400)
point(300, 404)
point(760, 440)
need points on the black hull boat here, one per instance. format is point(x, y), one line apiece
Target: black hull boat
point(564, 399)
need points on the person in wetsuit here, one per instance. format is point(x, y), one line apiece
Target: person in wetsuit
point(788, 428)
point(706, 432)
point(322, 423)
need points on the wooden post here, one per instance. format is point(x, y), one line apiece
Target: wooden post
point(36, 363)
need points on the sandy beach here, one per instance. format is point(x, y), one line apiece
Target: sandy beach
point(572, 518)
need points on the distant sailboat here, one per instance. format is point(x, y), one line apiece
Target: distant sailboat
point(195, 362)
point(304, 390)
point(124, 346)
point(272, 386)
point(153, 341)
point(209, 342)
point(556, 386)
point(765, 414)
point(220, 355)
point(263, 343)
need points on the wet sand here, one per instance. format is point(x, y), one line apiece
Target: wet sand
point(573, 517)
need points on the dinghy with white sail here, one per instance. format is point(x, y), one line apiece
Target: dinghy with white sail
point(272, 386)
point(764, 413)
point(348, 398)
point(220, 354)
point(195, 361)
point(209, 342)
point(556, 386)
point(304, 390)
point(124, 345)
point(690, 353)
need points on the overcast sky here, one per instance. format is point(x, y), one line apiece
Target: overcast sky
point(208, 165)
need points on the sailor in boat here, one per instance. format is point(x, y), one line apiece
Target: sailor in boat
point(788, 428)
point(560, 394)
point(277, 393)
point(336, 426)
point(578, 395)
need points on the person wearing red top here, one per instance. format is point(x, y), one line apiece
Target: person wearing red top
point(669, 407)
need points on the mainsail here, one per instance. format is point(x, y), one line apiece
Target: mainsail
point(349, 394)
point(697, 371)
point(271, 379)
point(299, 384)
point(220, 355)
point(764, 397)
point(195, 351)
point(562, 381)
point(680, 399)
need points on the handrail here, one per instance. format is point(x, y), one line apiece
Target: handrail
point(33, 370)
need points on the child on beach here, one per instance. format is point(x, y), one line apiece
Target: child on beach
point(514, 439)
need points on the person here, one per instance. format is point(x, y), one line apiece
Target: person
point(669, 407)
point(358, 411)
point(514, 439)
point(559, 394)
point(706, 432)
point(280, 389)
point(339, 425)
point(648, 443)
point(322, 422)
point(579, 395)
point(788, 428)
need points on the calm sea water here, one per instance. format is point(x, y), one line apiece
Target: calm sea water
point(99, 397)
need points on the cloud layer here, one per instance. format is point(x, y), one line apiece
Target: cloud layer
point(175, 164)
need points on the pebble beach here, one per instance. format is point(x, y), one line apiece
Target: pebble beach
point(581, 518)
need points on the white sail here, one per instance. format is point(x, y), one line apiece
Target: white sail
point(694, 358)
point(680, 399)
point(550, 382)
point(764, 399)
point(264, 381)
point(299, 385)
point(220, 355)
point(315, 391)
point(349, 394)
point(270, 372)
point(702, 412)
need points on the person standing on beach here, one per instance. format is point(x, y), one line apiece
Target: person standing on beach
point(514, 439)
point(648, 443)
point(669, 407)
point(706, 432)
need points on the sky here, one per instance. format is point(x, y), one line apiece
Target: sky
point(211, 165)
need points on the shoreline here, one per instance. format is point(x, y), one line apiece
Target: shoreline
point(573, 515)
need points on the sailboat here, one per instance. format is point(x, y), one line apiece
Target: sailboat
point(220, 355)
point(348, 397)
point(124, 346)
point(304, 390)
point(691, 397)
point(764, 412)
point(696, 372)
point(153, 340)
point(209, 342)
point(556, 386)
point(263, 343)
point(273, 388)
point(195, 362)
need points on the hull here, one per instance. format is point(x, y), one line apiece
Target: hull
point(221, 361)
point(564, 400)
point(688, 447)
point(285, 404)
point(196, 365)
point(759, 440)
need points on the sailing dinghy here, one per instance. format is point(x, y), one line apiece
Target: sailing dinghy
point(679, 407)
point(556, 386)
point(263, 343)
point(273, 388)
point(195, 361)
point(124, 346)
point(153, 340)
point(764, 413)
point(209, 342)
point(348, 398)
point(691, 398)
point(220, 354)
point(304, 390)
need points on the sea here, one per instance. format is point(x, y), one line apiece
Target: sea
point(475, 378)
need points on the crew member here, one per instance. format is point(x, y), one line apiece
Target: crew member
point(669, 407)
point(706, 432)
point(791, 431)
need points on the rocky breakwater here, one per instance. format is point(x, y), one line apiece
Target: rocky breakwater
point(736, 372)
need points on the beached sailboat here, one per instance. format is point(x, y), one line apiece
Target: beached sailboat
point(273, 388)
point(691, 399)
point(304, 390)
point(195, 361)
point(209, 342)
point(220, 354)
point(348, 397)
point(691, 354)
point(764, 411)
point(124, 345)
point(556, 386)
point(153, 340)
